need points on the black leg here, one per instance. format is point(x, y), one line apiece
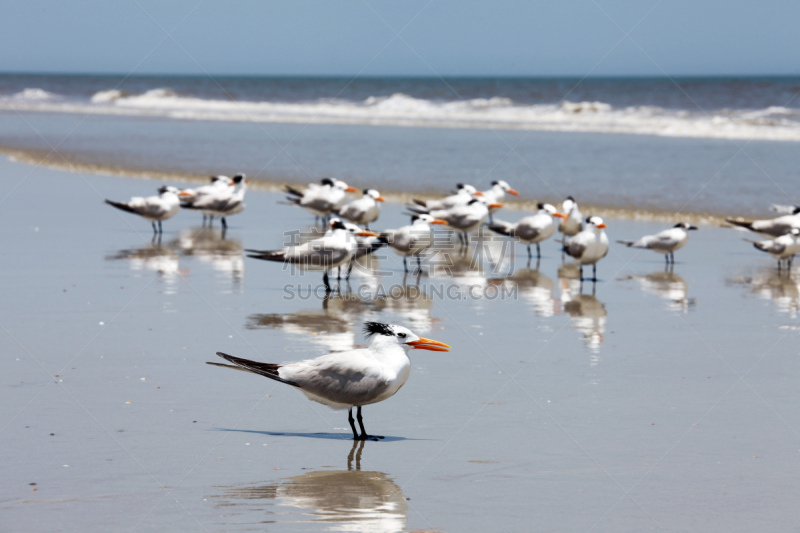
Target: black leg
point(352, 423)
point(326, 282)
point(529, 252)
point(594, 272)
point(224, 224)
point(155, 228)
point(364, 435)
point(538, 251)
point(350, 268)
point(419, 265)
point(405, 264)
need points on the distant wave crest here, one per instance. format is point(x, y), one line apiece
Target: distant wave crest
point(398, 109)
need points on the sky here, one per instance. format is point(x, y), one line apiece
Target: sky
point(402, 38)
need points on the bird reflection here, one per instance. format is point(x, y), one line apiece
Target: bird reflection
point(152, 257)
point(208, 245)
point(587, 312)
point(333, 326)
point(783, 288)
point(534, 287)
point(668, 286)
point(344, 500)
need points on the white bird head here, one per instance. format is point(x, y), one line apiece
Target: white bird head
point(169, 189)
point(504, 186)
point(464, 188)
point(386, 335)
point(427, 219)
point(333, 183)
point(221, 180)
point(547, 208)
point(337, 224)
point(375, 195)
point(685, 225)
point(596, 222)
point(569, 204)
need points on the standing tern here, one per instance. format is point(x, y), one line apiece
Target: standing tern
point(224, 203)
point(774, 227)
point(321, 200)
point(324, 253)
point(364, 210)
point(665, 242)
point(497, 194)
point(354, 378)
point(573, 220)
point(782, 248)
point(531, 230)
point(462, 197)
point(462, 218)
point(219, 186)
point(153, 208)
point(589, 246)
point(413, 239)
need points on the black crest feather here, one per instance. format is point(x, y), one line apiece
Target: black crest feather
point(372, 328)
point(540, 205)
point(327, 181)
point(495, 182)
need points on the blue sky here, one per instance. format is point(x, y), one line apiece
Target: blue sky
point(417, 38)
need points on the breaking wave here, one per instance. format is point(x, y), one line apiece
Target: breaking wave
point(774, 123)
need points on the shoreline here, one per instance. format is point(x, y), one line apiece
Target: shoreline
point(60, 161)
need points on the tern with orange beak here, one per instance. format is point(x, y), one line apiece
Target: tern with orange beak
point(464, 194)
point(321, 200)
point(412, 240)
point(364, 210)
point(462, 218)
point(332, 250)
point(354, 378)
point(497, 194)
point(153, 208)
point(224, 203)
point(589, 246)
point(531, 230)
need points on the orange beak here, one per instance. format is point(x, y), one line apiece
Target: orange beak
point(380, 199)
point(429, 344)
point(366, 233)
point(512, 191)
point(477, 193)
point(560, 215)
point(184, 193)
point(601, 225)
point(439, 221)
point(351, 189)
point(495, 206)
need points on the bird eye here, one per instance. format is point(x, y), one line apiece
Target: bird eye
point(402, 335)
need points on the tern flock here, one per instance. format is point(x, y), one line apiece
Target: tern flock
point(355, 378)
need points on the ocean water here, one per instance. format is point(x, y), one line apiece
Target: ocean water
point(705, 146)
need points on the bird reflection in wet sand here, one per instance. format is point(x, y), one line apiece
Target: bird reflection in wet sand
point(211, 246)
point(332, 326)
point(344, 500)
point(669, 286)
point(152, 257)
point(782, 287)
point(587, 312)
point(534, 287)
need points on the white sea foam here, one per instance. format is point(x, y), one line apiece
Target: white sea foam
point(106, 97)
point(772, 123)
point(34, 95)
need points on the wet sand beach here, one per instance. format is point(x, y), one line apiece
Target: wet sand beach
point(652, 399)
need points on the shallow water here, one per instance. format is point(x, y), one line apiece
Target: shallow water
point(650, 400)
point(633, 173)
